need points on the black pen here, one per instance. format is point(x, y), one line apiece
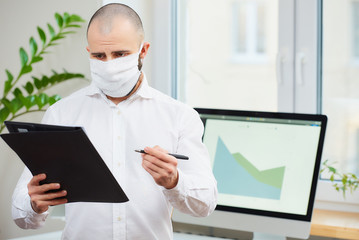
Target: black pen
point(178, 156)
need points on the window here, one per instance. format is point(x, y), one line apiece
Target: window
point(341, 83)
point(250, 31)
point(302, 73)
point(208, 76)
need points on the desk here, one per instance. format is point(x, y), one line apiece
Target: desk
point(325, 223)
point(335, 224)
point(57, 236)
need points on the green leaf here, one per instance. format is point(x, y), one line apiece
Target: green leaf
point(36, 59)
point(10, 77)
point(332, 178)
point(59, 20)
point(37, 82)
point(26, 69)
point(7, 104)
point(51, 30)
point(57, 38)
point(24, 101)
point(333, 170)
point(54, 99)
point(13, 106)
point(42, 35)
point(41, 100)
point(45, 81)
point(17, 104)
point(8, 82)
point(24, 57)
point(4, 113)
point(32, 100)
point(53, 44)
point(7, 87)
point(17, 92)
point(29, 87)
point(66, 18)
point(33, 46)
point(75, 18)
point(73, 25)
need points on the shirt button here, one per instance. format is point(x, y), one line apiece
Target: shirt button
point(118, 138)
point(119, 112)
point(119, 218)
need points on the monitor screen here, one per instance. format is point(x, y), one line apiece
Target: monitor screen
point(265, 164)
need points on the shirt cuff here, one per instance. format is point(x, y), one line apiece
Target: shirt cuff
point(178, 192)
point(31, 213)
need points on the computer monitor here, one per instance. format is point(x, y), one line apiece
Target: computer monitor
point(266, 166)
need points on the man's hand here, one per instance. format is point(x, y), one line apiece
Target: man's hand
point(40, 199)
point(161, 166)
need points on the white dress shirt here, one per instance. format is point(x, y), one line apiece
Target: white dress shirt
point(147, 118)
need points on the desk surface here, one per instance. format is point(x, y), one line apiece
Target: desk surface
point(325, 223)
point(335, 224)
point(57, 236)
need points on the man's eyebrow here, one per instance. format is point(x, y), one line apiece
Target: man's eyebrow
point(120, 51)
point(97, 53)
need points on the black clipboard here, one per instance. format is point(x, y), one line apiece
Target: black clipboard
point(66, 156)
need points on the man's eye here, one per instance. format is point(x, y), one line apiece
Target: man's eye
point(99, 56)
point(118, 55)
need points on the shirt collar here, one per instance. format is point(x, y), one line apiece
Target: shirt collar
point(143, 91)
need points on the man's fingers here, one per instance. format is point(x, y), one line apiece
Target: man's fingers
point(42, 206)
point(154, 160)
point(51, 196)
point(57, 202)
point(160, 149)
point(151, 166)
point(37, 179)
point(42, 188)
point(149, 169)
point(49, 187)
point(159, 154)
point(48, 196)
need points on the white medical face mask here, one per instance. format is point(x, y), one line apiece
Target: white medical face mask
point(117, 77)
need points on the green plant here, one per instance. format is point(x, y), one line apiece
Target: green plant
point(19, 99)
point(341, 181)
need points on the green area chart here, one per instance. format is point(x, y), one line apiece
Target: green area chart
point(238, 176)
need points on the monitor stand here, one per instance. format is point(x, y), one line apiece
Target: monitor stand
point(266, 236)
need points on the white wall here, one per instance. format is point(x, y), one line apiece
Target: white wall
point(18, 21)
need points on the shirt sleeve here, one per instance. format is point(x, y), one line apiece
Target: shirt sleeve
point(22, 213)
point(196, 191)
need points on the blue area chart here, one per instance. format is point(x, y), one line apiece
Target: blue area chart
point(233, 179)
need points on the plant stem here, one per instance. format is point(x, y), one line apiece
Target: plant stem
point(27, 111)
point(20, 114)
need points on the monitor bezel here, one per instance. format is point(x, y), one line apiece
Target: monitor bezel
point(277, 115)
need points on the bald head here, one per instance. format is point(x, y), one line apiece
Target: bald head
point(108, 14)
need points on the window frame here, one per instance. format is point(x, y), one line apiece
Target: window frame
point(354, 44)
point(250, 54)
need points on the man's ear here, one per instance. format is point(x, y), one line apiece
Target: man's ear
point(144, 50)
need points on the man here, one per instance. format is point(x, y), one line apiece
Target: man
point(121, 113)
